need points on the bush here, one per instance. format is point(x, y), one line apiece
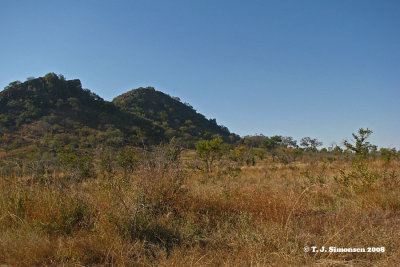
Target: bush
point(79, 165)
point(358, 178)
point(387, 154)
point(243, 155)
point(128, 158)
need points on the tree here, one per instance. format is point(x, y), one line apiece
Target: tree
point(335, 149)
point(254, 140)
point(80, 165)
point(243, 154)
point(310, 144)
point(51, 79)
point(271, 143)
point(11, 84)
point(210, 150)
point(361, 146)
point(387, 154)
point(128, 158)
point(289, 142)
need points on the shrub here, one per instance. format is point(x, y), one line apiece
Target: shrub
point(79, 165)
point(358, 178)
point(387, 154)
point(243, 154)
point(128, 158)
point(361, 146)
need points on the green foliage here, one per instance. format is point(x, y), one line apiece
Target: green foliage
point(111, 137)
point(67, 107)
point(243, 154)
point(11, 84)
point(177, 119)
point(128, 158)
point(269, 143)
point(387, 154)
point(358, 178)
point(272, 143)
point(253, 140)
point(310, 144)
point(210, 150)
point(287, 155)
point(289, 142)
point(107, 158)
point(80, 165)
point(361, 146)
point(142, 116)
point(51, 79)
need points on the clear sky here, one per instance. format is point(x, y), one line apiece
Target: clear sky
point(300, 68)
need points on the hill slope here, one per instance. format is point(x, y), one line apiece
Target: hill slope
point(51, 105)
point(178, 119)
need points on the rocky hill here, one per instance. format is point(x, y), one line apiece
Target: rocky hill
point(177, 118)
point(57, 111)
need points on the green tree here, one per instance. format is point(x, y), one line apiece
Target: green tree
point(51, 79)
point(361, 146)
point(289, 142)
point(310, 144)
point(210, 150)
point(387, 154)
point(11, 84)
point(128, 157)
point(272, 143)
point(243, 154)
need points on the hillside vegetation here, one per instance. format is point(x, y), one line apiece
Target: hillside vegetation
point(61, 111)
point(178, 119)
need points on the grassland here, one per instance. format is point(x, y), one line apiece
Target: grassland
point(166, 212)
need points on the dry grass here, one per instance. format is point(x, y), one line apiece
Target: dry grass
point(165, 215)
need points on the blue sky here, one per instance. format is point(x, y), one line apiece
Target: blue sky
point(299, 68)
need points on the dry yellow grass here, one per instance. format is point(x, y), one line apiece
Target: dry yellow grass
point(166, 215)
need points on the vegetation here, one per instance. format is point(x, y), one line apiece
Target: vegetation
point(179, 120)
point(210, 151)
point(361, 146)
point(78, 188)
point(61, 112)
point(131, 206)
